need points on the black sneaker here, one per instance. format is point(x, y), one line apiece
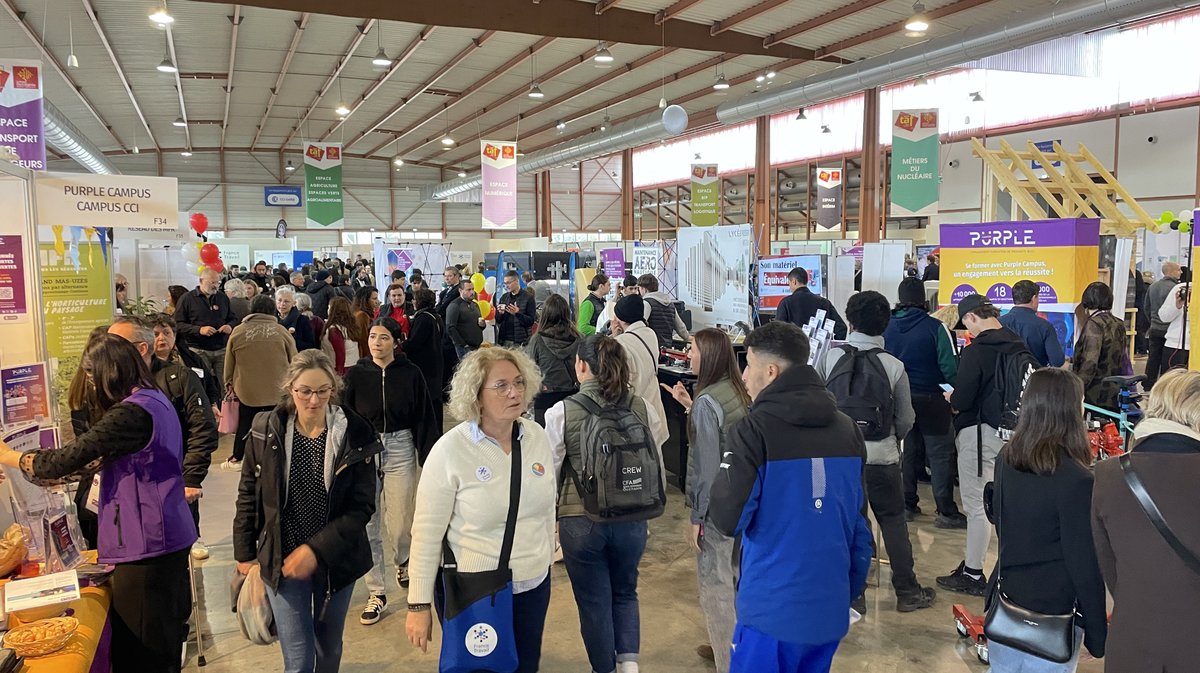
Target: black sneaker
point(959, 582)
point(956, 521)
point(922, 599)
point(911, 513)
point(402, 575)
point(376, 605)
point(859, 605)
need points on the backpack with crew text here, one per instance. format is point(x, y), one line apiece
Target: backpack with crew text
point(863, 391)
point(1011, 376)
point(620, 476)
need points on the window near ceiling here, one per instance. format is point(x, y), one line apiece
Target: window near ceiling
point(368, 237)
point(731, 148)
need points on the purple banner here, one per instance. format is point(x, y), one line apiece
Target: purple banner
point(612, 263)
point(498, 171)
point(12, 279)
point(21, 128)
point(1035, 233)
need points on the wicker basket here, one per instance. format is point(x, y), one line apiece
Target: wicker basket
point(24, 640)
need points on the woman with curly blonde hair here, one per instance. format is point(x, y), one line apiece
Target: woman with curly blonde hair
point(464, 494)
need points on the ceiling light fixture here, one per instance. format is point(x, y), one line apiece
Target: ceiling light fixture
point(161, 16)
point(800, 116)
point(72, 60)
point(179, 122)
point(574, 167)
point(922, 80)
point(448, 141)
point(185, 153)
point(603, 56)
point(381, 59)
point(825, 129)
point(135, 149)
point(918, 23)
point(462, 174)
point(721, 84)
point(167, 65)
point(975, 97)
point(397, 161)
point(560, 125)
point(770, 74)
point(342, 109)
point(535, 92)
point(760, 79)
point(604, 123)
point(662, 103)
point(290, 167)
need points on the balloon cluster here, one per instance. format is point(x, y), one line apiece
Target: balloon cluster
point(202, 256)
point(1181, 221)
point(484, 288)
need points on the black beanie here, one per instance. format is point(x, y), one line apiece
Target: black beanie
point(630, 309)
point(912, 292)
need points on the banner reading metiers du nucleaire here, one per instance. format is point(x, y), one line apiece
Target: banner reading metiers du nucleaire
point(323, 186)
point(915, 171)
point(21, 112)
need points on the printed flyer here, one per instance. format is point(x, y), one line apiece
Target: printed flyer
point(26, 393)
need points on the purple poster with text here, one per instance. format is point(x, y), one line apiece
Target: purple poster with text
point(12, 279)
point(612, 263)
point(21, 112)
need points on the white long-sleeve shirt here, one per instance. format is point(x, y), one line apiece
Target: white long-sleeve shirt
point(1172, 314)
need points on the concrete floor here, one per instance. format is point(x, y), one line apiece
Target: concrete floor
point(672, 625)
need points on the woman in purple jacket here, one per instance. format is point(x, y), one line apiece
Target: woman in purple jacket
point(145, 528)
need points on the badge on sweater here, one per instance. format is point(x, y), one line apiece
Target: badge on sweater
point(482, 473)
point(539, 470)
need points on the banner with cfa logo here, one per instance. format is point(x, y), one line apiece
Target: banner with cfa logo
point(499, 187)
point(21, 112)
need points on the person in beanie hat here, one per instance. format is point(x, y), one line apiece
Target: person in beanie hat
point(320, 291)
point(927, 349)
point(641, 352)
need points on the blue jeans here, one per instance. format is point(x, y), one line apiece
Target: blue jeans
point(602, 562)
point(1007, 660)
point(311, 642)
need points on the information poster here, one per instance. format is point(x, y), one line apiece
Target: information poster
point(21, 126)
point(645, 259)
point(829, 198)
point(612, 261)
point(144, 203)
point(26, 393)
point(713, 274)
point(323, 186)
point(915, 174)
point(773, 277)
point(13, 301)
point(706, 188)
point(77, 294)
point(498, 171)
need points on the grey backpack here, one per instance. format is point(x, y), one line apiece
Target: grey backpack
point(620, 478)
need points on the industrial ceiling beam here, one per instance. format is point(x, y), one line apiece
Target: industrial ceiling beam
point(187, 131)
point(137, 108)
point(822, 20)
point(603, 6)
point(561, 18)
point(359, 34)
point(745, 15)
point(392, 69)
point(673, 11)
point(476, 44)
point(261, 150)
point(301, 24)
point(235, 20)
point(18, 17)
point(892, 29)
point(554, 72)
point(461, 95)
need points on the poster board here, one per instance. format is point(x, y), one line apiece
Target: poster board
point(883, 268)
point(773, 277)
point(713, 274)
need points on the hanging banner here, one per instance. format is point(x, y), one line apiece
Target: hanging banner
point(706, 194)
point(323, 186)
point(77, 294)
point(147, 204)
point(829, 198)
point(713, 271)
point(21, 112)
point(498, 169)
point(913, 188)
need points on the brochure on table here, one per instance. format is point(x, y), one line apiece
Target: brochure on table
point(713, 274)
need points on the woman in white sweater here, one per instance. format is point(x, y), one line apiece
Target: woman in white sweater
point(464, 493)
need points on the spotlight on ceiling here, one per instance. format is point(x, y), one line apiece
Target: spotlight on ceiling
point(342, 110)
point(290, 166)
point(770, 74)
point(161, 16)
point(167, 66)
point(721, 84)
point(447, 141)
point(397, 161)
point(185, 153)
point(560, 125)
point(603, 56)
point(918, 23)
point(535, 92)
point(381, 59)
point(975, 97)
point(462, 174)
point(179, 122)
point(825, 129)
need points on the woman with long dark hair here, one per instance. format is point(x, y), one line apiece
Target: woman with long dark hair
point(366, 305)
point(553, 348)
point(601, 558)
point(1100, 351)
point(1041, 505)
point(145, 528)
point(721, 400)
point(593, 304)
point(341, 333)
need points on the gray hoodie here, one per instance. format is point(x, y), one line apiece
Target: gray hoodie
point(884, 451)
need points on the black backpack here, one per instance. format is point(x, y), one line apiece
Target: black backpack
point(1010, 378)
point(864, 391)
point(620, 478)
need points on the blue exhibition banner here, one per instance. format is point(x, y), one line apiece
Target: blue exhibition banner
point(283, 196)
point(301, 257)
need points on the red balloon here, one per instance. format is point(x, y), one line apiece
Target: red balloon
point(491, 312)
point(485, 296)
point(210, 254)
point(199, 223)
point(217, 265)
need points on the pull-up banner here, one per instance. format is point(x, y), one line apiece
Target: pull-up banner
point(323, 186)
point(914, 176)
point(706, 209)
point(21, 127)
point(829, 198)
point(498, 171)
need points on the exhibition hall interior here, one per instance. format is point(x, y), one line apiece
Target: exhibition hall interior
point(609, 336)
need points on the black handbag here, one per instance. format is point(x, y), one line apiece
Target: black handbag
point(1049, 637)
point(1160, 524)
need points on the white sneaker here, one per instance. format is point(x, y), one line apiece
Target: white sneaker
point(199, 550)
point(376, 605)
point(232, 464)
point(627, 667)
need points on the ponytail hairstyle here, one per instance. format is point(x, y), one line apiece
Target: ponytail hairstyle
point(597, 280)
point(606, 358)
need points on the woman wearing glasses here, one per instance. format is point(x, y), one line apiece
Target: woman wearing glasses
point(256, 359)
point(306, 494)
point(463, 497)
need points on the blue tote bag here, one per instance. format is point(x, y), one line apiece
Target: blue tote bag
point(477, 616)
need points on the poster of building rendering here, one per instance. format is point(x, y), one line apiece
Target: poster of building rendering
point(713, 274)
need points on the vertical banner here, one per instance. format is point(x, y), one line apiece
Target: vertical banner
point(706, 188)
point(714, 274)
point(915, 170)
point(323, 186)
point(829, 198)
point(77, 293)
point(498, 170)
point(21, 112)
point(612, 262)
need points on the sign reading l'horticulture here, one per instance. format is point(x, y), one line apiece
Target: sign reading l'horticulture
point(323, 185)
point(915, 171)
point(829, 198)
point(706, 209)
point(21, 112)
point(498, 170)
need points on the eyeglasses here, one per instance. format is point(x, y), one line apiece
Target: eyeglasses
point(307, 393)
point(502, 389)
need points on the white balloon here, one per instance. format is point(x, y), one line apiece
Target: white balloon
point(1185, 215)
point(191, 253)
point(193, 267)
point(489, 285)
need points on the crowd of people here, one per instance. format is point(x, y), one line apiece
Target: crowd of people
point(348, 468)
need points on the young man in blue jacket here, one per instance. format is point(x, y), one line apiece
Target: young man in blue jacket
point(791, 485)
point(1038, 334)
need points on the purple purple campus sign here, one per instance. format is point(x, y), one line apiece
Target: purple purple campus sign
point(21, 112)
point(1034, 233)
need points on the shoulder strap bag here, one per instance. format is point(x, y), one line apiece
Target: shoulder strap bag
point(1049, 637)
point(1155, 515)
point(477, 617)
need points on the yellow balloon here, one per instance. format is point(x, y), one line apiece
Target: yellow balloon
point(483, 307)
point(200, 269)
point(477, 282)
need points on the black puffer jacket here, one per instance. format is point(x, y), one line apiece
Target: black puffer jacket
point(343, 553)
point(393, 399)
point(321, 293)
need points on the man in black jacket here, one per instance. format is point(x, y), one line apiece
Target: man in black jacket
point(453, 278)
point(463, 322)
point(186, 392)
point(977, 406)
point(205, 320)
point(320, 291)
point(802, 305)
point(516, 312)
